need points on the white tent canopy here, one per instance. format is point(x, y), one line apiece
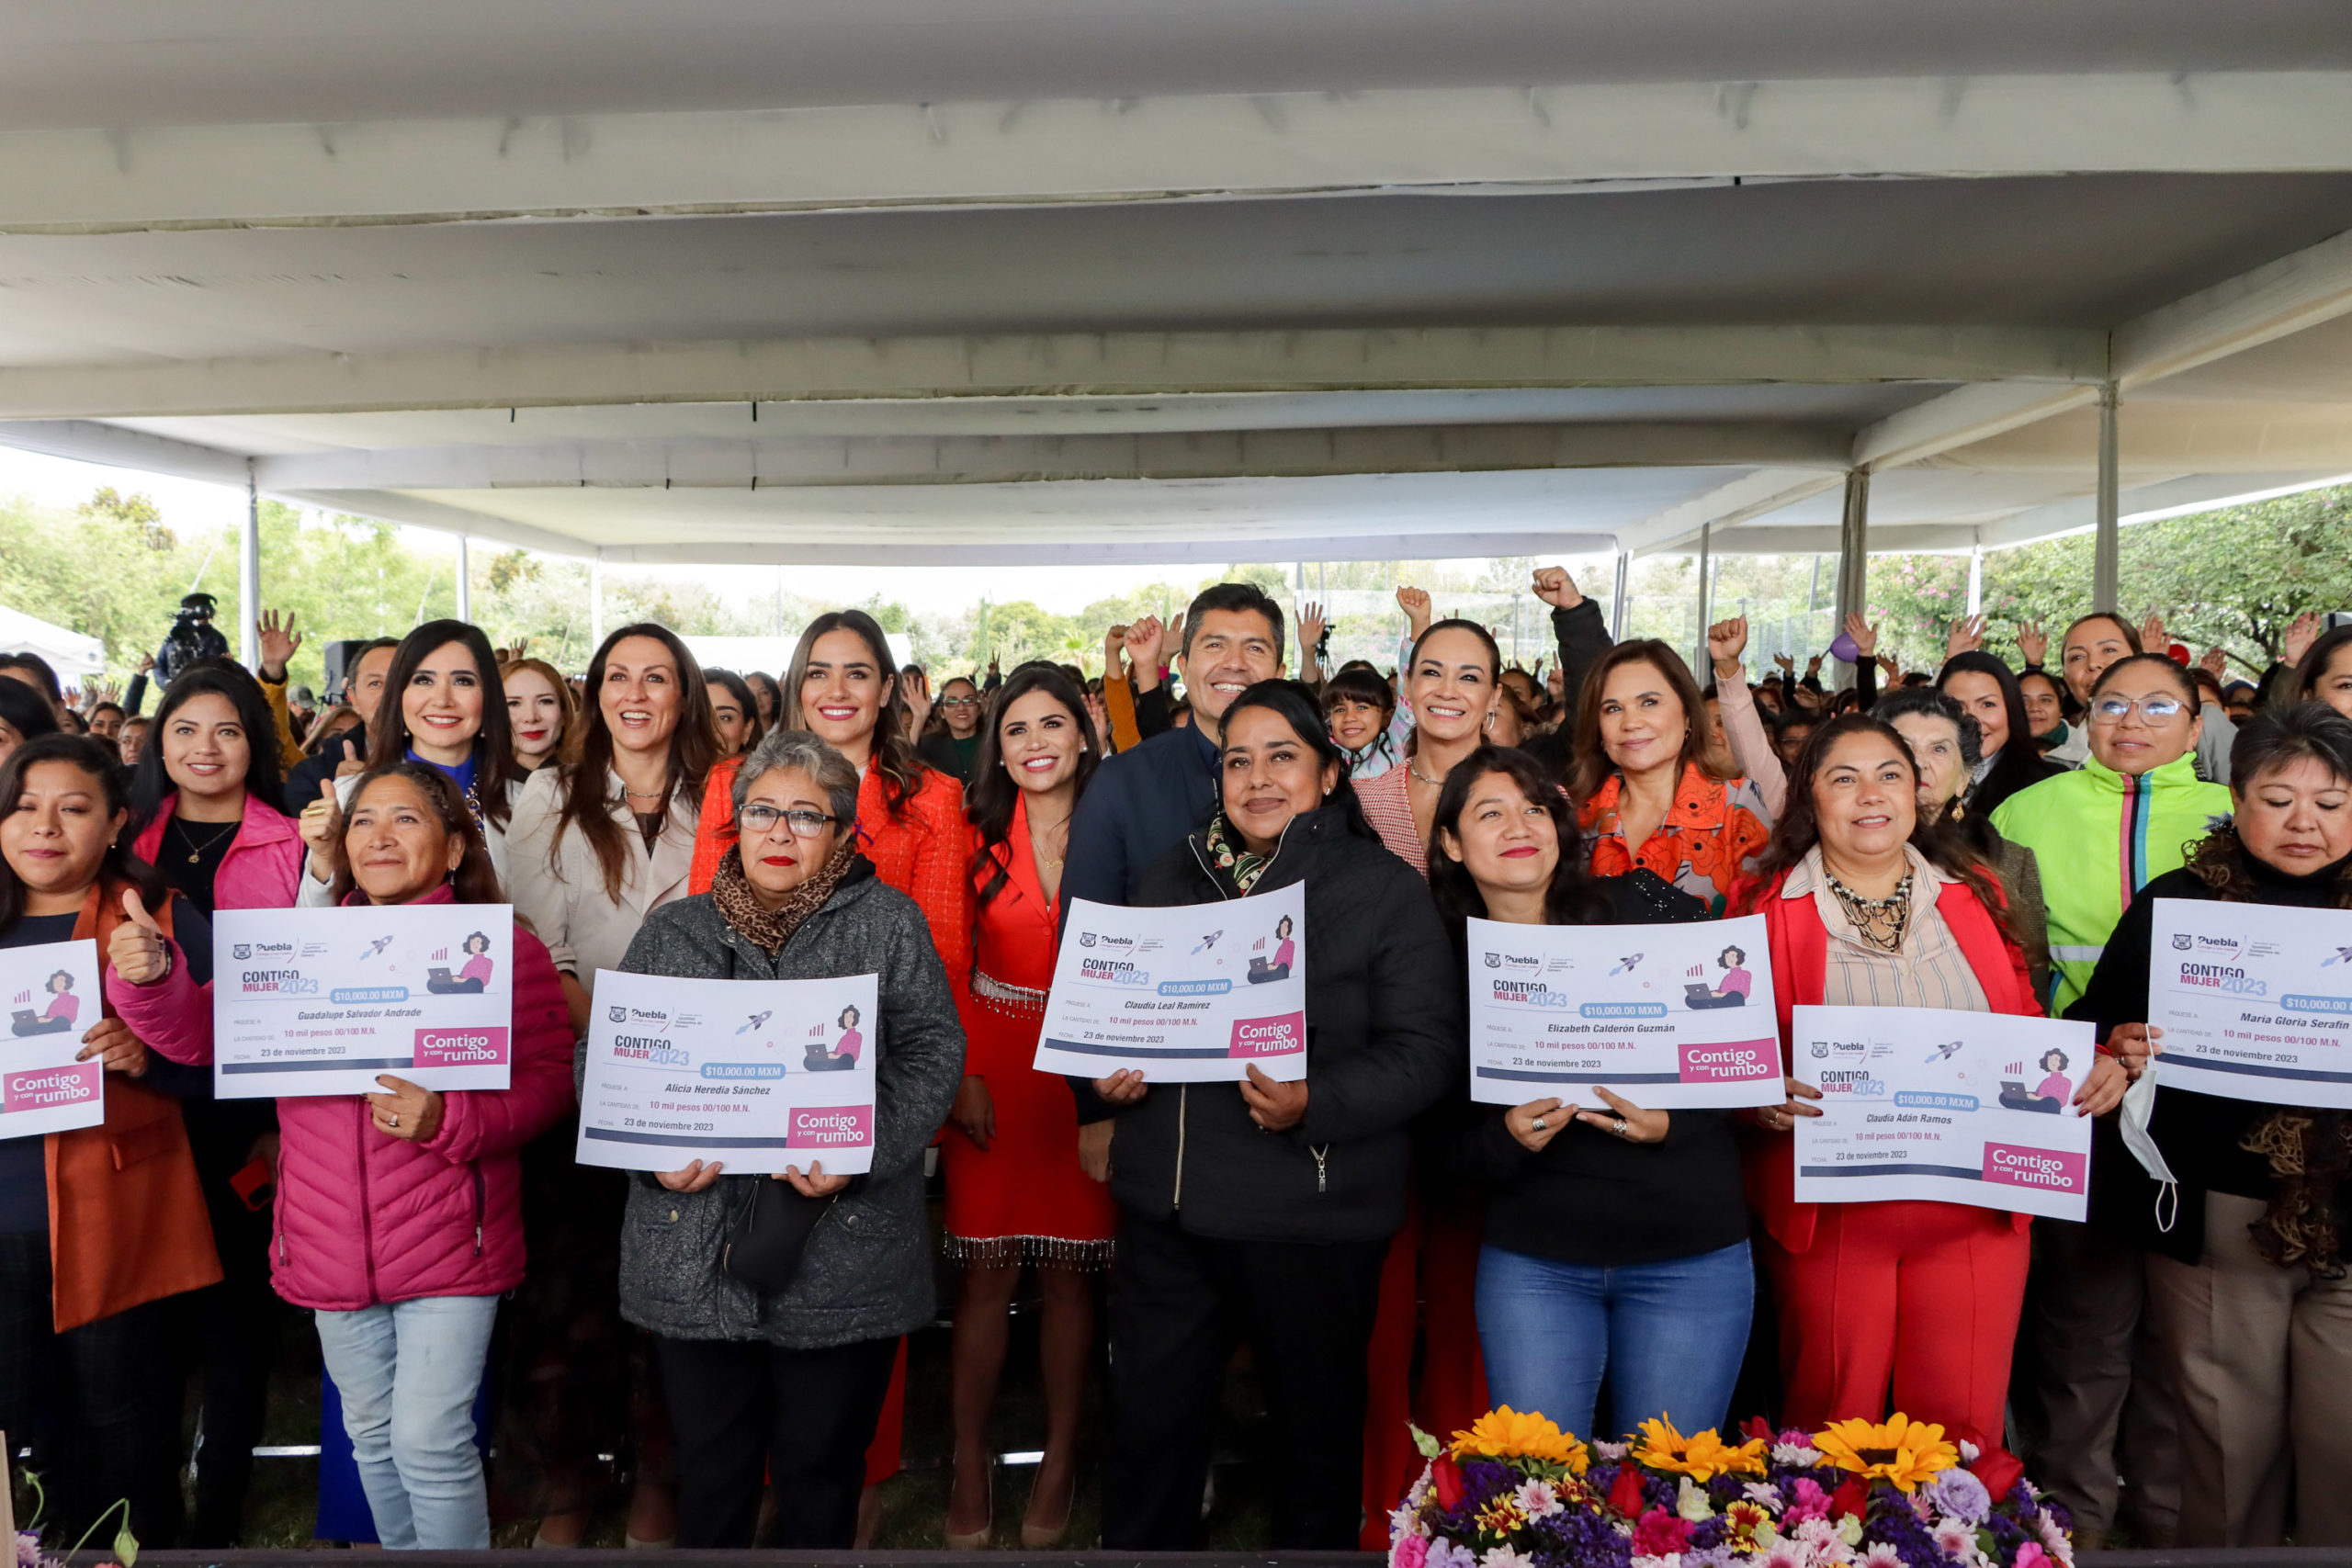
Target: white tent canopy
point(1093, 280)
point(69, 653)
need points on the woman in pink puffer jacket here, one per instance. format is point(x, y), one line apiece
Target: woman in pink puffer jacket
point(400, 1212)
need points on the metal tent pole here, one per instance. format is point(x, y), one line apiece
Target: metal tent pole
point(1617, 599)
point(464, 582)
point(1976, 580)
point(2107, 552)
point(249, 576)
point(1853, 559)
point(596, 600)
point(1699, 663)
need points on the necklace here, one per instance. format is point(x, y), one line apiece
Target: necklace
point(1038, 840)
point(644, 794)
point(1879, 922)
point(196, 852)
point(1433, 784)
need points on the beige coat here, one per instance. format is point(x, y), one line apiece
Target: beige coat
point(563, 898)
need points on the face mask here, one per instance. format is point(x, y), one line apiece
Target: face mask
point(2139, 1104)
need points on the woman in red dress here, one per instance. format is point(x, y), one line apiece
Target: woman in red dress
point(1016, 1194)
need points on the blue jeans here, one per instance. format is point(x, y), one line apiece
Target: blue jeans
point(1669, 1336)
point(408, 1372)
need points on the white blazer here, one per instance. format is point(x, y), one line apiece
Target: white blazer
point(313, 894)
point(563, 896)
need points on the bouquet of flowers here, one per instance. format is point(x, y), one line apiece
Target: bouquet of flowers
point(1516, 1492)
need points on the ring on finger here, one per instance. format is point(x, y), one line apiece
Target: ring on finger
point(1537, 1125)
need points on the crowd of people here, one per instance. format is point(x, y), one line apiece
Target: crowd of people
point(1980, 837)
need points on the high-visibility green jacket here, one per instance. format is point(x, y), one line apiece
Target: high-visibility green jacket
point(2101, 837)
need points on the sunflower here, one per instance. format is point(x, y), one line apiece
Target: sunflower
point(1702, 1456)
point(1899, 1449)
point(1505, 1433)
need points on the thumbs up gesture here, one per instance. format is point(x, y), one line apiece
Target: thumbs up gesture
point(139, 951)
point(322, 828)
point(352, 761)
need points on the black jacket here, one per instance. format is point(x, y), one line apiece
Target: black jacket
point(1590, 1198)
point(2200, 1133)
point(303, 783)
point(1383, 1043)
point(1140, 805)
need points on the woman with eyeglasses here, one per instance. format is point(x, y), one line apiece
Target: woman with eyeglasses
point(781, 1390)
point(952, 743)
point(2100, 834)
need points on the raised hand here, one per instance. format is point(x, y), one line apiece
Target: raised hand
point(279, 642)
point(2215, 663)
point(1415, 602)
point(1967, 636)
point(1310, 625)
point(1557, 588)
point(1787, 662)
point(1099, 714)
point(1726, 640)
point(915, 687)
point(1886, 663)
point(2300, 634)
point(1172, 639)
point(146, 663)
point(1865, 634)
point(2151, 633)
point(139, 951)
point(1142, 641)
point(353, 762)
point(2032, 642)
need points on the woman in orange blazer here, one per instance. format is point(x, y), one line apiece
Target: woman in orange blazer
point(97, 1224)
point(1912, 1303)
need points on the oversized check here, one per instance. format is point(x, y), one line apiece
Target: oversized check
point(1667, 1016)
point(1197, 993)
point(320, 1002)
point(754, 1074)
point(53, 999)
point(1958, 1107)
point(2255, 1001)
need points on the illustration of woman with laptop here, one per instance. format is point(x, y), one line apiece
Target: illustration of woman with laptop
point(472, 977)
point(2051, 1095)
point(63, 1011)
point(1732, 993)
point(1263, 970)
point(844, 1055)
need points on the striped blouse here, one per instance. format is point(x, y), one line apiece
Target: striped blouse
point(1929, 970)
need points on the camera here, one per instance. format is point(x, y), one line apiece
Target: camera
point(192, 637)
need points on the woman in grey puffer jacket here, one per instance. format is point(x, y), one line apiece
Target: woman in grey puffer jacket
point(791, 1384)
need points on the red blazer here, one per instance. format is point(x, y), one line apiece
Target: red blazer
point(1800, 957)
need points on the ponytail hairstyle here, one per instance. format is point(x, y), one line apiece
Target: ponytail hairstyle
point(494, 744)
point(475, 881)
point(994, 794)
point(894, 760)
point(587, 807)
point(1798, 831)
point(119, 866)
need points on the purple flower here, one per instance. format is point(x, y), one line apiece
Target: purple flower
point(1959, 1495)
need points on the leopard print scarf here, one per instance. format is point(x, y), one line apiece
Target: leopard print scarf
point(732, 895)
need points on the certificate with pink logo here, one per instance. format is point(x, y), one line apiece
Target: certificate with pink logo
point(53, 1000)
point(1197, 993)
point(322, 1001)
point(755, 1074)
point(1669, 1017)
point(1958, 1107)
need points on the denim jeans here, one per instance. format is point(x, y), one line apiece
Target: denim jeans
point(1668, 1336)
point(408, 1373)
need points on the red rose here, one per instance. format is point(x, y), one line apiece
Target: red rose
point(1446, 1476)
point(1756, 1429)
point(1625, 1492)
point(1999, 1470)
point(1852, 1498)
